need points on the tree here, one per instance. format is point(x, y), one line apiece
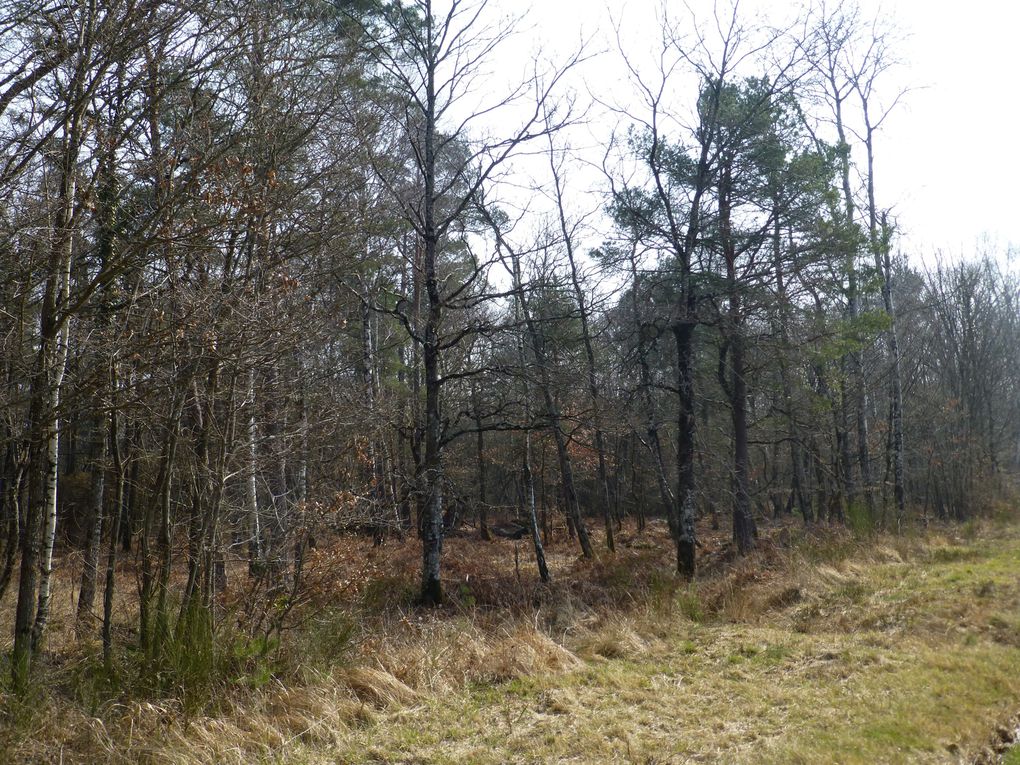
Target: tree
point(433, 59)
point(568, 233)
point(61, 90)
point(667, 212)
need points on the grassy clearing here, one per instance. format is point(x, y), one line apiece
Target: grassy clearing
point(898, 649)
point(904, 657)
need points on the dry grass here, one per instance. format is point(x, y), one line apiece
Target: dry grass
point(819, 648)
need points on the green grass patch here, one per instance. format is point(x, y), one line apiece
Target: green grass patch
point(899, 662)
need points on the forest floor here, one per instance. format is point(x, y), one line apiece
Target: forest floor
point(821, 647)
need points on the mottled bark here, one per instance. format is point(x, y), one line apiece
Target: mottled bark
point(39, 532)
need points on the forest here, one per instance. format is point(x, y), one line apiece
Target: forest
point(331, 312)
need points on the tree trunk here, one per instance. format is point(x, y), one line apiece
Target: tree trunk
point(683, 536)
point(858, 384)
point(96, 520)
point(431, 486)
point(589, 354)
point(256, 548)
point(552, 412)
point(14, 471)
point(744, 530)
point(683, 333)
point(483, 499)
point(529, 499)
point(40, 528)
point(733, 327)
point(798, 477)
point(111, 555)
point(883, 265)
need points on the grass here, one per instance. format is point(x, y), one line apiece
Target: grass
point(832, 649)
point(892, 656)
point(741, 695)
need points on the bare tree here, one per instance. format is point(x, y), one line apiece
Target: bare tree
point(568, 232)
point(434, 61)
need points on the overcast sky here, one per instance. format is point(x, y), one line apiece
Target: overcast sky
point(947, 160)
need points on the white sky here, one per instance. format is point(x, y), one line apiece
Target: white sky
point(947, 160)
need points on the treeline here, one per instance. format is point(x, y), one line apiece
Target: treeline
point(266, 275)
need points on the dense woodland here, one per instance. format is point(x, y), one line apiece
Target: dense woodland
point(273, 272)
